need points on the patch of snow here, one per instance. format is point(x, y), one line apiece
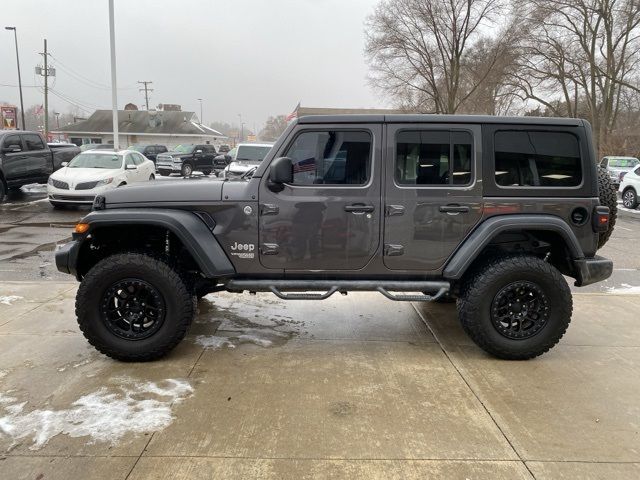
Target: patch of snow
point(213, 342)
point(9, 299)
point(625, 289)
point(103, 416)
point(34, 188)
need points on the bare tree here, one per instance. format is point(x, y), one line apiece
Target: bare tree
point(580, 55)
point(419, 51)
point(273, 128)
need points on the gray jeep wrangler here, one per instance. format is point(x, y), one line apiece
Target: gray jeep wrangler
point(490, 211)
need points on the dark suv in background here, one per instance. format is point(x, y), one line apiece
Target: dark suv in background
point(150, 151)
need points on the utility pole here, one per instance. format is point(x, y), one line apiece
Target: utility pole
point(146, 89)
point(15, 36)
point(46, 72)
point(114, 85)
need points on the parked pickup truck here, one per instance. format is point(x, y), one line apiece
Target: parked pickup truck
point(25, 158)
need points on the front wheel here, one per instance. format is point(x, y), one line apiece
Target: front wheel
point(152, 177)
point(133, 307)
point(515, 307)
point(630, 198)
point(186, 170)
point(206, 173)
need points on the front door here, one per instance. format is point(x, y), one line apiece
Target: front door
point(40, 158)
point(433, 199)
point(329, 217)
point(15, 163)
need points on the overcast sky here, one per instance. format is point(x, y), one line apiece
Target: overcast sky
point(251, 57)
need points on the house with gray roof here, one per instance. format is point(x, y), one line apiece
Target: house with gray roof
point(135, 127)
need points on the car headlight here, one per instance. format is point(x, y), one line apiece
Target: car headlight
point(50, 181)
point(106, 181)
point(177, 160)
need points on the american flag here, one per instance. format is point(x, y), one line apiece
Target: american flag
point(39, 110)
point(306, 165)
point(293, 114)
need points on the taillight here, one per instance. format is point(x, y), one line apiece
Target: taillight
point(601, 219)
point(622, 174)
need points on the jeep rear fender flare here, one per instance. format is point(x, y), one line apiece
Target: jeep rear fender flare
point(475, 243)
point(194, 234)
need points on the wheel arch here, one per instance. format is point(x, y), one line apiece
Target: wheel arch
point(548, 228)
point(134, 226)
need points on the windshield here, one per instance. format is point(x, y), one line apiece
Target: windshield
point(96, 160)
point(624, 162)
point(184, 148)
point(252, 153)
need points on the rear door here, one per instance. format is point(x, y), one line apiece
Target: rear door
point(40, 160)
point(329, 217)
point(433, 198)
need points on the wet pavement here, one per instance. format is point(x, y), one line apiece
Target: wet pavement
point(350, 387)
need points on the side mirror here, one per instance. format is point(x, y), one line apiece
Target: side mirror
point(131, 167)
point(64, 164)
point(280, 172)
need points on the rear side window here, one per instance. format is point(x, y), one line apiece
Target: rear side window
point(433, 157)
point(331, 157)
point(527, 158)
point(33, 142)
point(12, 141)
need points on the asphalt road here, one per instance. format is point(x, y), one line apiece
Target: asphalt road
point(30, 230)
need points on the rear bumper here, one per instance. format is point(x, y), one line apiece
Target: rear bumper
point(592, 270)
point(67, 258)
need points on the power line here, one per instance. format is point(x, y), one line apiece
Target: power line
point(16, 86)
point(84, 79)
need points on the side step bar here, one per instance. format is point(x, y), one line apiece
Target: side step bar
point(432, 290)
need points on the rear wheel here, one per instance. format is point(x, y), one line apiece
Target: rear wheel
point(186, 170)
point(630, 198)
point(608, 194)
point(133, 307)
point(164, 173)
point(515, 307)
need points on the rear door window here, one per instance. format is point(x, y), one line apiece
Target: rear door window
point(33, 142)
point(12, 141)
point(528, 158)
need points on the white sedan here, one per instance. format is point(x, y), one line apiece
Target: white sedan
point(95, 171)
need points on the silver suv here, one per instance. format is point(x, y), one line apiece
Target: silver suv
point(618, 167)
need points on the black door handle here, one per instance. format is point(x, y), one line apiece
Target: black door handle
point(359, 208)
point(454, 209)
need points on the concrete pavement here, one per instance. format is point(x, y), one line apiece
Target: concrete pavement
point(351, 387)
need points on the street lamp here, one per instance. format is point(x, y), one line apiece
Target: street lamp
point(15, 36)
point(201, 119)
point(241, 127)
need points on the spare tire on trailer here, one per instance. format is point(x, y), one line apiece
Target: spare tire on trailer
point(609, 198)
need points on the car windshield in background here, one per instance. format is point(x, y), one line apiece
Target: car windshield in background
point(624, 162)
point(251, 153)
point(96, 160)
point(184, 148)
point(137, 148)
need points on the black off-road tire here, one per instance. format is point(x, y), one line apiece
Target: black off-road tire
point(481, 288)
point(3, 191)
point(180, 306)
point(608, 194)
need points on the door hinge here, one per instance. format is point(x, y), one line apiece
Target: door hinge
point(391, 250)
point(269, 249)
point(269, 209)
point(393, 210)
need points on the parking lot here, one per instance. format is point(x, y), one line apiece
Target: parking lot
point(355, 386)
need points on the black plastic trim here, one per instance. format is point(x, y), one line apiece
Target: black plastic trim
point(187, 226)
point(592, 270)
point(487, 230)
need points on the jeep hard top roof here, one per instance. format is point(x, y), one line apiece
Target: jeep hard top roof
point(429, 118)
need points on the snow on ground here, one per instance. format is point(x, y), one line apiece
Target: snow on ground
point(9, 299)
point(103, 416)
point(624, 289)
point(34, 188)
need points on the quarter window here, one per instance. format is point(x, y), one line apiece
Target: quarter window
point(537, 159)
point(334, 157)
point(426, 157)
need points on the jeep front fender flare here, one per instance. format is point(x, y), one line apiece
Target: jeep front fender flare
point(194, 234)
point(472, 247)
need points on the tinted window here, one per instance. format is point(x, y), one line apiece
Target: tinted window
point(209, 149)
point(637, 171)
point(433, 158)
point(33, 142)
point(161, 149)
point(540, 159)
point(11, 141)
point(331, 158)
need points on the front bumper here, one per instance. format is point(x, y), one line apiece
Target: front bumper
point(67, 258)
point(75, 197)
point(592, 270)
point(169, 167)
